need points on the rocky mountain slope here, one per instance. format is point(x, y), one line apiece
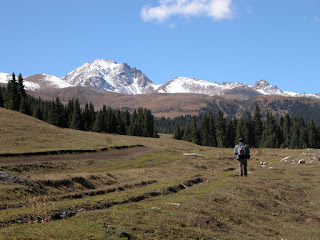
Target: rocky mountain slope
point(107, 75)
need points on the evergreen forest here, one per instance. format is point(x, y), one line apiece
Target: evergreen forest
point(72, 115)
point(208, 129)
point(267, 132)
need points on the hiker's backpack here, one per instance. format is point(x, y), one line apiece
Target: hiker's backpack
point(242, 151)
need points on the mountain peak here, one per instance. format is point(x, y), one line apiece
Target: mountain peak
point(108, 75)
point(266, 88)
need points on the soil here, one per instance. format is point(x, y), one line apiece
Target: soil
point(110, 154)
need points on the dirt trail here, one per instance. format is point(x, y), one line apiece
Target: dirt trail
point(110, 154)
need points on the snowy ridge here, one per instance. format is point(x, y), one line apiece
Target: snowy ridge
point(5, 77)
point(192, 85)
point(41, 81)
point(108, 75)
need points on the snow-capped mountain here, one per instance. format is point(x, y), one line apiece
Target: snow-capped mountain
point(37, 81)
point(41, 81)
point(108, 75)
point(192, 85)
point(5, 77)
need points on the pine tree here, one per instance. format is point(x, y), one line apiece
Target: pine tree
point(121, 127)
point(195, 131)
point(37, 112)
point(111, 123)
point(20, 87)
point(133, 128)
point(303, 141)
point(232, 132)
point(286, 131)
point(1, 99)
point(187, 133)
point(249, 138)
point(76, 116)
point(312, 135)
point(126, 121)
point(11, 97)
point(24, 106)
point(221, 130)
point(178, 133)
point(99, 122)
point(212, 130)
point(269, 138)
point(205, 132)
point(148, 123)
point(257, 127)
point(69, 111)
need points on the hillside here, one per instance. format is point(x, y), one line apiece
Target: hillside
point(175, 104)
point(21, 134)
point(168, 189)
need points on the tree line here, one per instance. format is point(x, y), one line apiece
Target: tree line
point(268, 132)
point(73, 115)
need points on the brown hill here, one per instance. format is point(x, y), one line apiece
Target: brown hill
point(173, 105)
point(167, 105)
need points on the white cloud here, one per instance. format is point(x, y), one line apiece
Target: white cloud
point(216, 9)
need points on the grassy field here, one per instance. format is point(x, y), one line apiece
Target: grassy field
point(167, 189)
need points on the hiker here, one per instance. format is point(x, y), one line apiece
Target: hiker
point(243, 154)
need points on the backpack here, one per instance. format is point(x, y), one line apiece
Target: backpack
point(242, 151)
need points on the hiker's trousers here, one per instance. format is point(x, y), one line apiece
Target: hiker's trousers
point(243, 163)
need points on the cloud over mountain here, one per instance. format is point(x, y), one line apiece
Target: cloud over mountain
point(216, 9)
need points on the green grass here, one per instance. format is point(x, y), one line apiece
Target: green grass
point(278, 201)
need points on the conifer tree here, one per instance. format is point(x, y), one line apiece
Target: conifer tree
point(312, 135)
point(53, 117)
point(133, 128)
point(205, 132)
point(121, 128)
point(269, 138)
point(11, 97)
point(37, 112)
point(148, 123)
point(21, 91)
point(178, 133)
point(187, 133)
point(24, 107)
point(212, 130)
point(195, 131)
point(86, 118)
point(99, 122)
point(111, 123)
point(286, 131)
point(257, 127)
point(126, 120)
point(232, 132)
point(76, 116)
point(1, 99)
point(303, 140)
point(221, 130)
point(248, 130)
point(69, 111)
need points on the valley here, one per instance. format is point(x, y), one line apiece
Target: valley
point(150, 188)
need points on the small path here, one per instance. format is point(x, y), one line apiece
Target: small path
point(109, 154)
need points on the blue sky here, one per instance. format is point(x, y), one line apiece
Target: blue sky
point(214, 40)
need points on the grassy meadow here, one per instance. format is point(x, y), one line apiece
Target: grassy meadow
point(167, 189)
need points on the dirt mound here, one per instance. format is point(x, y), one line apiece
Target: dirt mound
point(9, 178)
point(115, 153)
